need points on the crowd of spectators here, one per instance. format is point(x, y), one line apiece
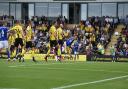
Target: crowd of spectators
point(122, 42)
point(95, 34)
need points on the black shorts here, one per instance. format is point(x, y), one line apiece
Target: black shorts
point(60, 42)
point(18, 41)
point(53, 43)
point(12, 47)
point(29, 44)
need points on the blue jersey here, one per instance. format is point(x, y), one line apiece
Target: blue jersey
point(76, 45)
point(3, 33)
point(69, 41)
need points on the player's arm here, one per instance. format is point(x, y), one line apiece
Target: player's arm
point(56, 35)
point(50, 32)
point(22, 32)
point(62, 33)
point(12, 30)
point(9, 31)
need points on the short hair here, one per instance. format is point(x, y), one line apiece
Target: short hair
point(54, 22)
point(17, 22)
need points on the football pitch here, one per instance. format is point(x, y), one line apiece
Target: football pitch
point(65, 75)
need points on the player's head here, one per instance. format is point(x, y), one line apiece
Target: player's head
point(17, 22)
point(61, 25)
point(54, 23)
point(75, 37)
point(29, 23)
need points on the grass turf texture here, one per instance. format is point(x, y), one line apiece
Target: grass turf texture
point(42, 75)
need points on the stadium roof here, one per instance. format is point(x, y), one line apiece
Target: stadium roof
point(63, 0)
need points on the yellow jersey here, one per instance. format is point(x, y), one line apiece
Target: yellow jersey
point(18, 31)
point(29, 33)
point(44, 28)
point(28, 38)
point(81, 27)
point(60, 33)
point(59, 52)
point(11, 40)
point(13, 54)
point(53, 33)
point(23, 52)
point(32, 52)
point(86, 29)
point(91, 29)
point(29, 30)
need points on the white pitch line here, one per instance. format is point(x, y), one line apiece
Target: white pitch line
point(93, 82)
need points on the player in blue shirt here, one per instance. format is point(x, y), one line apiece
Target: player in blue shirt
point(75, 47)
point(3, 38)
point(68, 47)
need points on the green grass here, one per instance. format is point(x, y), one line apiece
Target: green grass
point(42, 75)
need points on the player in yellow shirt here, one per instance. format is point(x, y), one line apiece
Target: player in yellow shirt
point(11, 40)
point(48, 53)
point(60, 34)
point(18, 34)
point(44, 27)
point(59, 56)
point(33, 54)
point(53, 35)
point(53, 39)
point(29, 35)
point(81, 25)
point(86, 29)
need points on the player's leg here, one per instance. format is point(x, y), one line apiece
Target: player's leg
point(55, 54)
point(70, 53)
point(1, 47)
point(19, 57)
point(8, 53)
point(77, 55)
point(33, 59)
point(13, 54)
point(16, 44)
point(48, 53)
point(28, 45)
point(60, 58)
point(22, 58)
point(74, 54)
point(55, 48)
point(6, 46)
point(113, 58)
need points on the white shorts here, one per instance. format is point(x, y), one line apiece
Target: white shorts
point(76, 53)
point(4, 44)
